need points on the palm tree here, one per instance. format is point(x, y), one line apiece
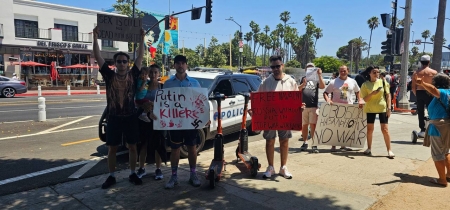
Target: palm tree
point(248, 37)
point(439, 38)
point(255, 29)
point(267, 43)
point(317, 35)
point(285, 17)
point(426, 35)
point(357, 44)
point(309, 29)
point(281, 32)
point(373, 23)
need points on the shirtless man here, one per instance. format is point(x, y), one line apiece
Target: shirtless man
point(423, 98)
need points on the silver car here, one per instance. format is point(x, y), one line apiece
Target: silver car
point(9, 87)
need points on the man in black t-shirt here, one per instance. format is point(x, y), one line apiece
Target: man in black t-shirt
point(122, 118)
point(310, 100)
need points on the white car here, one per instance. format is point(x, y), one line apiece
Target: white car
point(327, 79)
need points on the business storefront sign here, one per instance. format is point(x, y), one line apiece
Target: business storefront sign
point(62, 45)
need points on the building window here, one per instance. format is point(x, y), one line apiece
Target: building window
point(69, 33)
point(26, 28)
point(107, 43)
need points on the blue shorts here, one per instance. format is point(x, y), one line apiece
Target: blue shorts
point(179, 138)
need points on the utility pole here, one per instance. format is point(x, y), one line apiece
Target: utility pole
point(403, 102)
point(134, 45)
point(231, 67)
point(351, 60)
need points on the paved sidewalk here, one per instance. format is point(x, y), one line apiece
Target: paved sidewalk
point(342, 180)
point(59, 92)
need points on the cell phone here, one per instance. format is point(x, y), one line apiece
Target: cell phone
point(379, 89)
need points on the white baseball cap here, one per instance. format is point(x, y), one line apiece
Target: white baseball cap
point(425, 58)
point(310, 64)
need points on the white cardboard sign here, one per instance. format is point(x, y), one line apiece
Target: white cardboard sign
point(341, 125)
point(181, 108)
point(311, 74)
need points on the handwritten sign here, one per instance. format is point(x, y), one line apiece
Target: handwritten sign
point(181, 108)
point(311, 74)
point(341, 125)
point(118, 28)
point(277, 110)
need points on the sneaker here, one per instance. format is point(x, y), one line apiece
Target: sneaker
point(269, 172)
point(346, 149)
point(158, 174)
point(333, 149)
point(141, 172)
point(109, 182)
point(421, 134)
point(135, 179)
point(285, 173)
point(314, 148)
point(304, 147)
point(194, 181)
point(391, 154)
point(172, 182)
point(368, 152)
point(144, 118)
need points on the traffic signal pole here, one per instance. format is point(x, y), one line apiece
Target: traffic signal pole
point(403, 100)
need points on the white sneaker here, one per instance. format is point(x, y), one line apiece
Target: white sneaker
point(269, 172)
point(368, 152)
point(144, 118)
point(421, 134)
point(285, 173)
point(391, 154)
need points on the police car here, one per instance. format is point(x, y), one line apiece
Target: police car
point(229, 84)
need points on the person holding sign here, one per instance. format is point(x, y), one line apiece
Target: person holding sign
point(179, 138)
point(310, 98)
point(437, 134)
point(122, 116)
point(277, 81)
point(375, 93)
point(342, 89)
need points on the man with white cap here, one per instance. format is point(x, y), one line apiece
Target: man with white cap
point(14, 77)
point(422, 97)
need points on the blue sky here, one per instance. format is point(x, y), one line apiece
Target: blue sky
point(340, 20)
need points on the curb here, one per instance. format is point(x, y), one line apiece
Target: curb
point(62, 94)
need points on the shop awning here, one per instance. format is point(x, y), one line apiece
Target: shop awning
point(29, 63)
point(78, 66)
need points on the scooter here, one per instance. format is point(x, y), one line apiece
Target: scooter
point(415, 134)
point(218, 163)
point(251, 162)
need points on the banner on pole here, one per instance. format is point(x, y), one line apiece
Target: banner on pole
point(117, 28)
point(279, 110)
point(341, 125)
point(181, 108)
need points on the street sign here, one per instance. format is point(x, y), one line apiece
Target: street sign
point(418, 41)
point(241, 49)
point(241, 44)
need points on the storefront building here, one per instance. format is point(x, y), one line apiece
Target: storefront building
point(45, 33)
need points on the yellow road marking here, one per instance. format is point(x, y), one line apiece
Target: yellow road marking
point(79, 142)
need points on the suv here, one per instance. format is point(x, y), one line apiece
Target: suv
point(227, 83)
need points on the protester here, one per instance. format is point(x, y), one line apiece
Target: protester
point(342, 89)
point(310, 98)
point(437, 134)
point(122, 117)
point(422, 97)
point(150, 138)
point(180, 137)
point(277, 81)
point(375, 93)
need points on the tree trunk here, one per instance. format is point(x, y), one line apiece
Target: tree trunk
point(439, 37)
point(370, 41)
point(424, 46)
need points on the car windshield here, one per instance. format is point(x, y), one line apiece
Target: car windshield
point(205, 83)
point(326, 77)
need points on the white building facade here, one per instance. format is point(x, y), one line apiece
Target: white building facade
point(42, 32)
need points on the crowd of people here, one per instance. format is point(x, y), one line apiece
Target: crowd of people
point(130, 94)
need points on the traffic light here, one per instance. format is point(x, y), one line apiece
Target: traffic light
point(164, 59)
point(398, 40)
point(386, 19)
point(167, 22)
point(196, 13)
point(208, 17)
point(244, 61)
point(386, 46)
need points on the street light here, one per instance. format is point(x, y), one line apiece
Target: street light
point(240, 37)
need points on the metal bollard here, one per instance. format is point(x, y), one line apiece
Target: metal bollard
point(39, 91)
point(68, 90)
point(42, 114)
point(98, 89)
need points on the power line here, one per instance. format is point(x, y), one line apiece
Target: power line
point(193, 32)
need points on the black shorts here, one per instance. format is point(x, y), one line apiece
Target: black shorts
point(183, 137)
point(382, 116)
point(118, 126)
point(146, 132)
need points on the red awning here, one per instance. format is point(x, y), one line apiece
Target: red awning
point(79, 66)
point(29, 63)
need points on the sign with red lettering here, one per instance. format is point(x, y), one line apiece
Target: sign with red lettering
point(181, 108)
point(280, 110)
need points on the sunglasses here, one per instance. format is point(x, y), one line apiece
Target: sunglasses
point(275, 67)
point(375, 72)
point(121, 61)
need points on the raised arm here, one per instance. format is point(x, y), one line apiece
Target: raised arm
point(321, 82)
point(96, 48)
point(141, 50)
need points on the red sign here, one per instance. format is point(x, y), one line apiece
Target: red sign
point(279, 110)
point(241, 44)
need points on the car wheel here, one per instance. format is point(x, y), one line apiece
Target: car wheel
point(8, 92)
point(251, 132)
point(202, 139)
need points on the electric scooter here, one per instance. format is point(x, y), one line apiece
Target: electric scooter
point(415, 134)
point(251, 162)
point(218, 163)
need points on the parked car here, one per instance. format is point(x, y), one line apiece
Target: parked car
point(9, 87)
point(227, 83)
point(327, 79)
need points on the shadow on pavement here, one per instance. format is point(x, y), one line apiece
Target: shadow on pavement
point(409, 178)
